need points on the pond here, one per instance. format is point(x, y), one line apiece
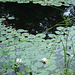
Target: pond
point(32, 17)
point(31, 48)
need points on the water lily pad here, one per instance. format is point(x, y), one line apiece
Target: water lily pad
point(52, 35)
point(12, 55)
point(53, 56)
point(11, 18)
point(34, 68)
point(40, 35)
point(38, 64)
point(31, 36)
point(6, 48)
point(60, 28)
point(62, 53)
point(58, 32)
point(51, 67)
point(27, 62)
point(69, 43)
point(3, 32)
point(14, 32)
point(44, 72)
point(9, 30)
point(1, 19)
point(20, 30)
point(16, 40)
point(43, 4)
point(8, 36)
point(2, 59)
point(26, 1)
point(10, 70)
point(38, 57)
point(2, 38)
point(25, 34)
point(11, 48)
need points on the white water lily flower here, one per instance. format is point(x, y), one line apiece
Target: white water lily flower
point(18, 60)
point(44, 59)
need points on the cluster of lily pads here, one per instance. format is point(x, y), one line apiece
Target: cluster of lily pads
point(45, 2)
point(39, 56)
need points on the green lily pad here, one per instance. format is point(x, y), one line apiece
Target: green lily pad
point(62, 53)
point(10, 70)
point(60, 28)
point(58, 32)
point(11, 18)
point(31, 36)
point(16, 40)
point(2, 38)
point(20, 30)
point(3, 32)
point(1, 19)
point(40, 35)
point(52, 35)
point(38, 64)
point(44, 72)
point(34, 68)
point(51, 67)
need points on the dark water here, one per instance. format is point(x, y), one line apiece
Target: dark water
point(34, 18)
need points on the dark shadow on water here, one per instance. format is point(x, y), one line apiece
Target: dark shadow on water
point(32, 17)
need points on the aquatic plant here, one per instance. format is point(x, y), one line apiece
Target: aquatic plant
point(44, 2)
point(39, 56)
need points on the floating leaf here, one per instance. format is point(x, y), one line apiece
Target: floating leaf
point(26, 68)
point(11, 18)
point(11, 48)
point(51, 67)
point(12, 55)
point(3, 32)
point(40, 35)
point(58, 32)
point(38, 64)
point(16, 40)
point(20, 30)
point(45, 72)
point(52, 35)
point(1, 19)
point(31, 36)
point(34, 68)
point(53, 56)
point(27, 61)
point(10, 70)
point(60, 28)
point(2, 38)
point(4, 65)
point(62, 53)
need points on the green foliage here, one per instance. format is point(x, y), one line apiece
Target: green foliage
point(9, 70)
point(11, 18)
point(31, 49)
point(44, 2)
